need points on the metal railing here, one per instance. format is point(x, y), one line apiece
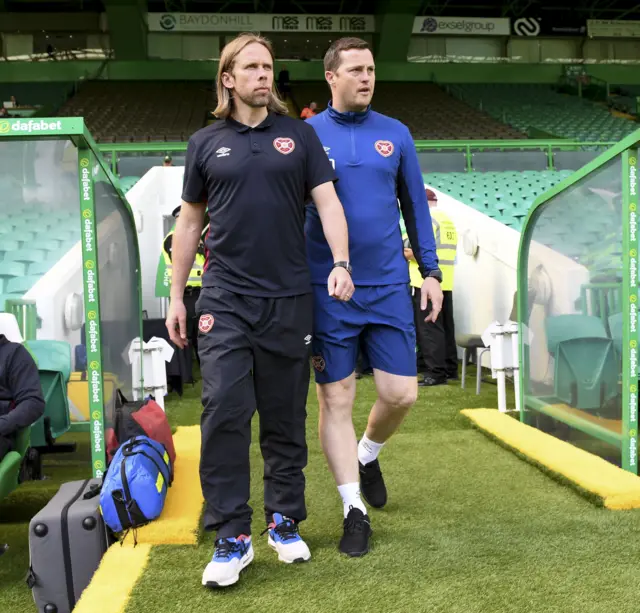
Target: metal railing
point(116, 151)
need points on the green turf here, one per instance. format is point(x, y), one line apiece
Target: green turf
point(468, 528)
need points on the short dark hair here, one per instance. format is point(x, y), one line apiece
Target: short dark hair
point(332, 56)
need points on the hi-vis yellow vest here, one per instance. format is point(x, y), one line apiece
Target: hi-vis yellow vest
point(195, 274)
point(446, 237)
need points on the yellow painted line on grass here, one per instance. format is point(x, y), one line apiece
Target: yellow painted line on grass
point(617, 488)
point(123, 565)
point(178, 524)
point(113, 582)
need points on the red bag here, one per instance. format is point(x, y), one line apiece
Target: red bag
point(140, 418)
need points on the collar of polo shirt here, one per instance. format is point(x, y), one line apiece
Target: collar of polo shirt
point(241, 127)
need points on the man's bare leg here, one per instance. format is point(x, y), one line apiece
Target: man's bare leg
point(339, 443)
point(396, 395)
point(337, 435)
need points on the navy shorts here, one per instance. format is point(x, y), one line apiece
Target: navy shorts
point(377, 318)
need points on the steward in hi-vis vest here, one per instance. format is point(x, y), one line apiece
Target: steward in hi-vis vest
point(194, 282)
point(437, 352)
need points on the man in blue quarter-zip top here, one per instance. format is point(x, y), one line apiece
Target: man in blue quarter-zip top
point(376, 165)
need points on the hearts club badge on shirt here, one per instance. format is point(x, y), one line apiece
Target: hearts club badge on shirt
point(206, 323)
point(284, 145)
point(384, 147)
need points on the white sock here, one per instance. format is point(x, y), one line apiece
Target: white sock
point(350, 494)
point(368, 450)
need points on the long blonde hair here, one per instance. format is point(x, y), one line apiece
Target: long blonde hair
point(227, 61)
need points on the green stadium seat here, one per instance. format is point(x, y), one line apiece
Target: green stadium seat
point(7, 246)
point(21, 285)
point(11, 464)
point(62, 234)
point(23, 236)
point(49, 245)
point(39, 268)
point(54, 367)
point(586, 369)
point(11, 269)
point(616, 325)
point(53, 356)
point(25, 255)
point(8, 272)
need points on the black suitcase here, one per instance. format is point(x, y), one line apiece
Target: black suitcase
point(67, 540)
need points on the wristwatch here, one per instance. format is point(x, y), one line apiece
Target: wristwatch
point(344, 265)
point(434, 274)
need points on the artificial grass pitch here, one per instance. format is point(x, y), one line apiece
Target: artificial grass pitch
point(613, 487)
point(469, 528)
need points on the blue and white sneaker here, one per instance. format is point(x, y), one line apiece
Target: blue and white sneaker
point(285, 539)
point(231, 556)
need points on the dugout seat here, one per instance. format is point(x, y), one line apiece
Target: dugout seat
point(54, 368)
point(11, 466)
point(586, 369)
point(616, 326)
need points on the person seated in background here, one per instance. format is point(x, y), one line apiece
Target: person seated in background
point(309, 111)
point(284, 83)
point(21, 399)
point(168, 161)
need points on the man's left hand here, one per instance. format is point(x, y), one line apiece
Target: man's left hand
point(431, 291)
point(340, 285)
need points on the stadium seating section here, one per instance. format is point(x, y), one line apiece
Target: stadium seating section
point(28, 250)
point(428, 111)
point(530, 106)
point(126, 183)
point(30, 246)
point(503, 184)
point(141, 111)
point(503, 196)
point(159, 111)
point(508, 196)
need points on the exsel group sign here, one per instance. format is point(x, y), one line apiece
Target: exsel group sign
point(462, 26)
point(237, 22)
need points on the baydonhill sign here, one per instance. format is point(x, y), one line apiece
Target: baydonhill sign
point(237, 22)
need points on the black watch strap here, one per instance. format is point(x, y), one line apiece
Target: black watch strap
point(343, 264)
point(435, 274)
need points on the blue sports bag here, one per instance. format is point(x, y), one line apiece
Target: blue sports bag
point(135, 486)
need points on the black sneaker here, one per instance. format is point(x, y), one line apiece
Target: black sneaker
point(357, 530)
point(430, 381)
point(372, 486)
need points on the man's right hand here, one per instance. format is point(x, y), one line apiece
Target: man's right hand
point(177, 323)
